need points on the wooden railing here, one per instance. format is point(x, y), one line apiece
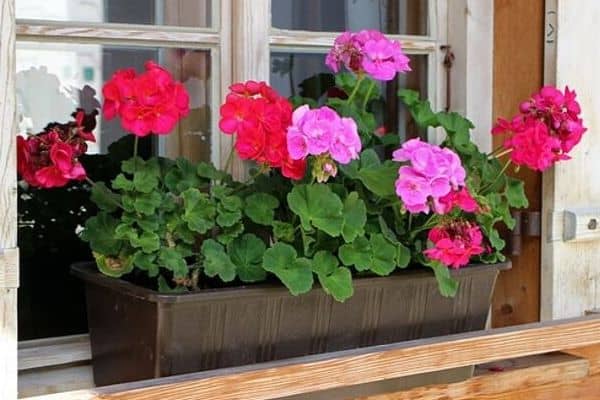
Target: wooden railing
point(361, 366)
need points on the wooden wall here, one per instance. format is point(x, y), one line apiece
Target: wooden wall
point(518, 72)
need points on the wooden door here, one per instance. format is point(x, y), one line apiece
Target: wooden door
point(8, 206)
point(518, 72)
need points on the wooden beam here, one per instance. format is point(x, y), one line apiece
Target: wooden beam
point(333, 370)
point(517, 374)
point(9, 268)
point(8, 199)
point(54, 351)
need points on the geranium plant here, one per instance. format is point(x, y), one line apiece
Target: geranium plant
point(329, 198)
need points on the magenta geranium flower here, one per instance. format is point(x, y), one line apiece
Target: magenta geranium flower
point(455, 243)
point(368, 51)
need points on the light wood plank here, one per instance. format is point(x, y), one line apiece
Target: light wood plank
point(516, 374)
point(54, 351)
point(113, 33)
point(9, 268)
point(8, 198)
point(328, 371)
point(590, 353)
point(315, 41)
point(571, 272)
point(40, 382)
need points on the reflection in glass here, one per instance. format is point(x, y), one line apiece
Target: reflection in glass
point(54, 79)
point(192, 13)
point(303, 74)
point(407, 17)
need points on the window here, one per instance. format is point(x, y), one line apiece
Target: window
point(66, 50)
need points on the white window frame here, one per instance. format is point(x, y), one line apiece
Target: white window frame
point(240, 43)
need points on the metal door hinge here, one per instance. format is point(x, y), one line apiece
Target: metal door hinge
point(9, 268)
point(527, 224)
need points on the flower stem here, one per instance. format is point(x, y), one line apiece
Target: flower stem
point(500, 154)
point(355, 90)
point(136, 142)
point(366, 99)
point(229, 160)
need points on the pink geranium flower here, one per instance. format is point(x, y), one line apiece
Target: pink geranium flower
point(433, 170)
point(460, 199)
point(368, 51)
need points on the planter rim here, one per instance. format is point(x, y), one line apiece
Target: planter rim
point(88, 272)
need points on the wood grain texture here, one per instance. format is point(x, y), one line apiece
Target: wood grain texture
point(9, 268)
point(250, 54)
point(571, 273)
point(308, 374)
point(590, 353)
point(517, 374)
point(54, 351)
point(315, 41)
point(8, 198)
point(39, 382)
point(91, 33)
point(518, 66)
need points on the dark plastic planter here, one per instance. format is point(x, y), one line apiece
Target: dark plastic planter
point(138, 333)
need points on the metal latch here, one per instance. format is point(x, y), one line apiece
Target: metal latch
point(527, 224)
point(9, 268)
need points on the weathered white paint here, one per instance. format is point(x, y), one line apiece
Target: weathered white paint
point(471, 35)
point(8, 199)
point(570, 270)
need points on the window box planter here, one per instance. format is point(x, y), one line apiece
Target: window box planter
point(138, 333)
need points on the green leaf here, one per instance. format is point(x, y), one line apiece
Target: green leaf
point(317, 206)
point(146, 176)
point(357, 253)
point(230, 233)
point(209, 171)
point(105, 198)
point(246, 253)
point(383, 255)
point(172, 259)
point(402, 255)
point(114, 267)
point(199, 211)
point(146, 262)
point(149, 242)
point(217, 262)
point(182, 176)
point(419, 109)
point(122, 183)
point(260, 208)
point(355, 217)
point(227, 218)
point(380, 179)
point(351, 169)
point(515, 193)
point(148, 222)
point(283, 231)
point(369, 159)
point(131, 165)
point(447, 285)
point(295, 273)
point(338, 284)
point(100, 234)
point(324, 263)
point(147, 203)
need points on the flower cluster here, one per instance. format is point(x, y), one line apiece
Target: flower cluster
point(260, 118)
point(149, 103)
point(323, 133)
point(432, 174)
point(49, 159)
point(546, 129)
point(455, 243)
point(370, 52)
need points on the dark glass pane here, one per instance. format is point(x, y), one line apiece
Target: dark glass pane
point(306, 75)
point(407, 17)
point(192, 13)
point(52, 80)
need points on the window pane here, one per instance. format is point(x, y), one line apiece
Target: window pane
point(192, 13)
point(52, 80)
point(306, 75)
point(408, 17)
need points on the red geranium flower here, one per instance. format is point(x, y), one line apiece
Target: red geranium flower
point(455, 243)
